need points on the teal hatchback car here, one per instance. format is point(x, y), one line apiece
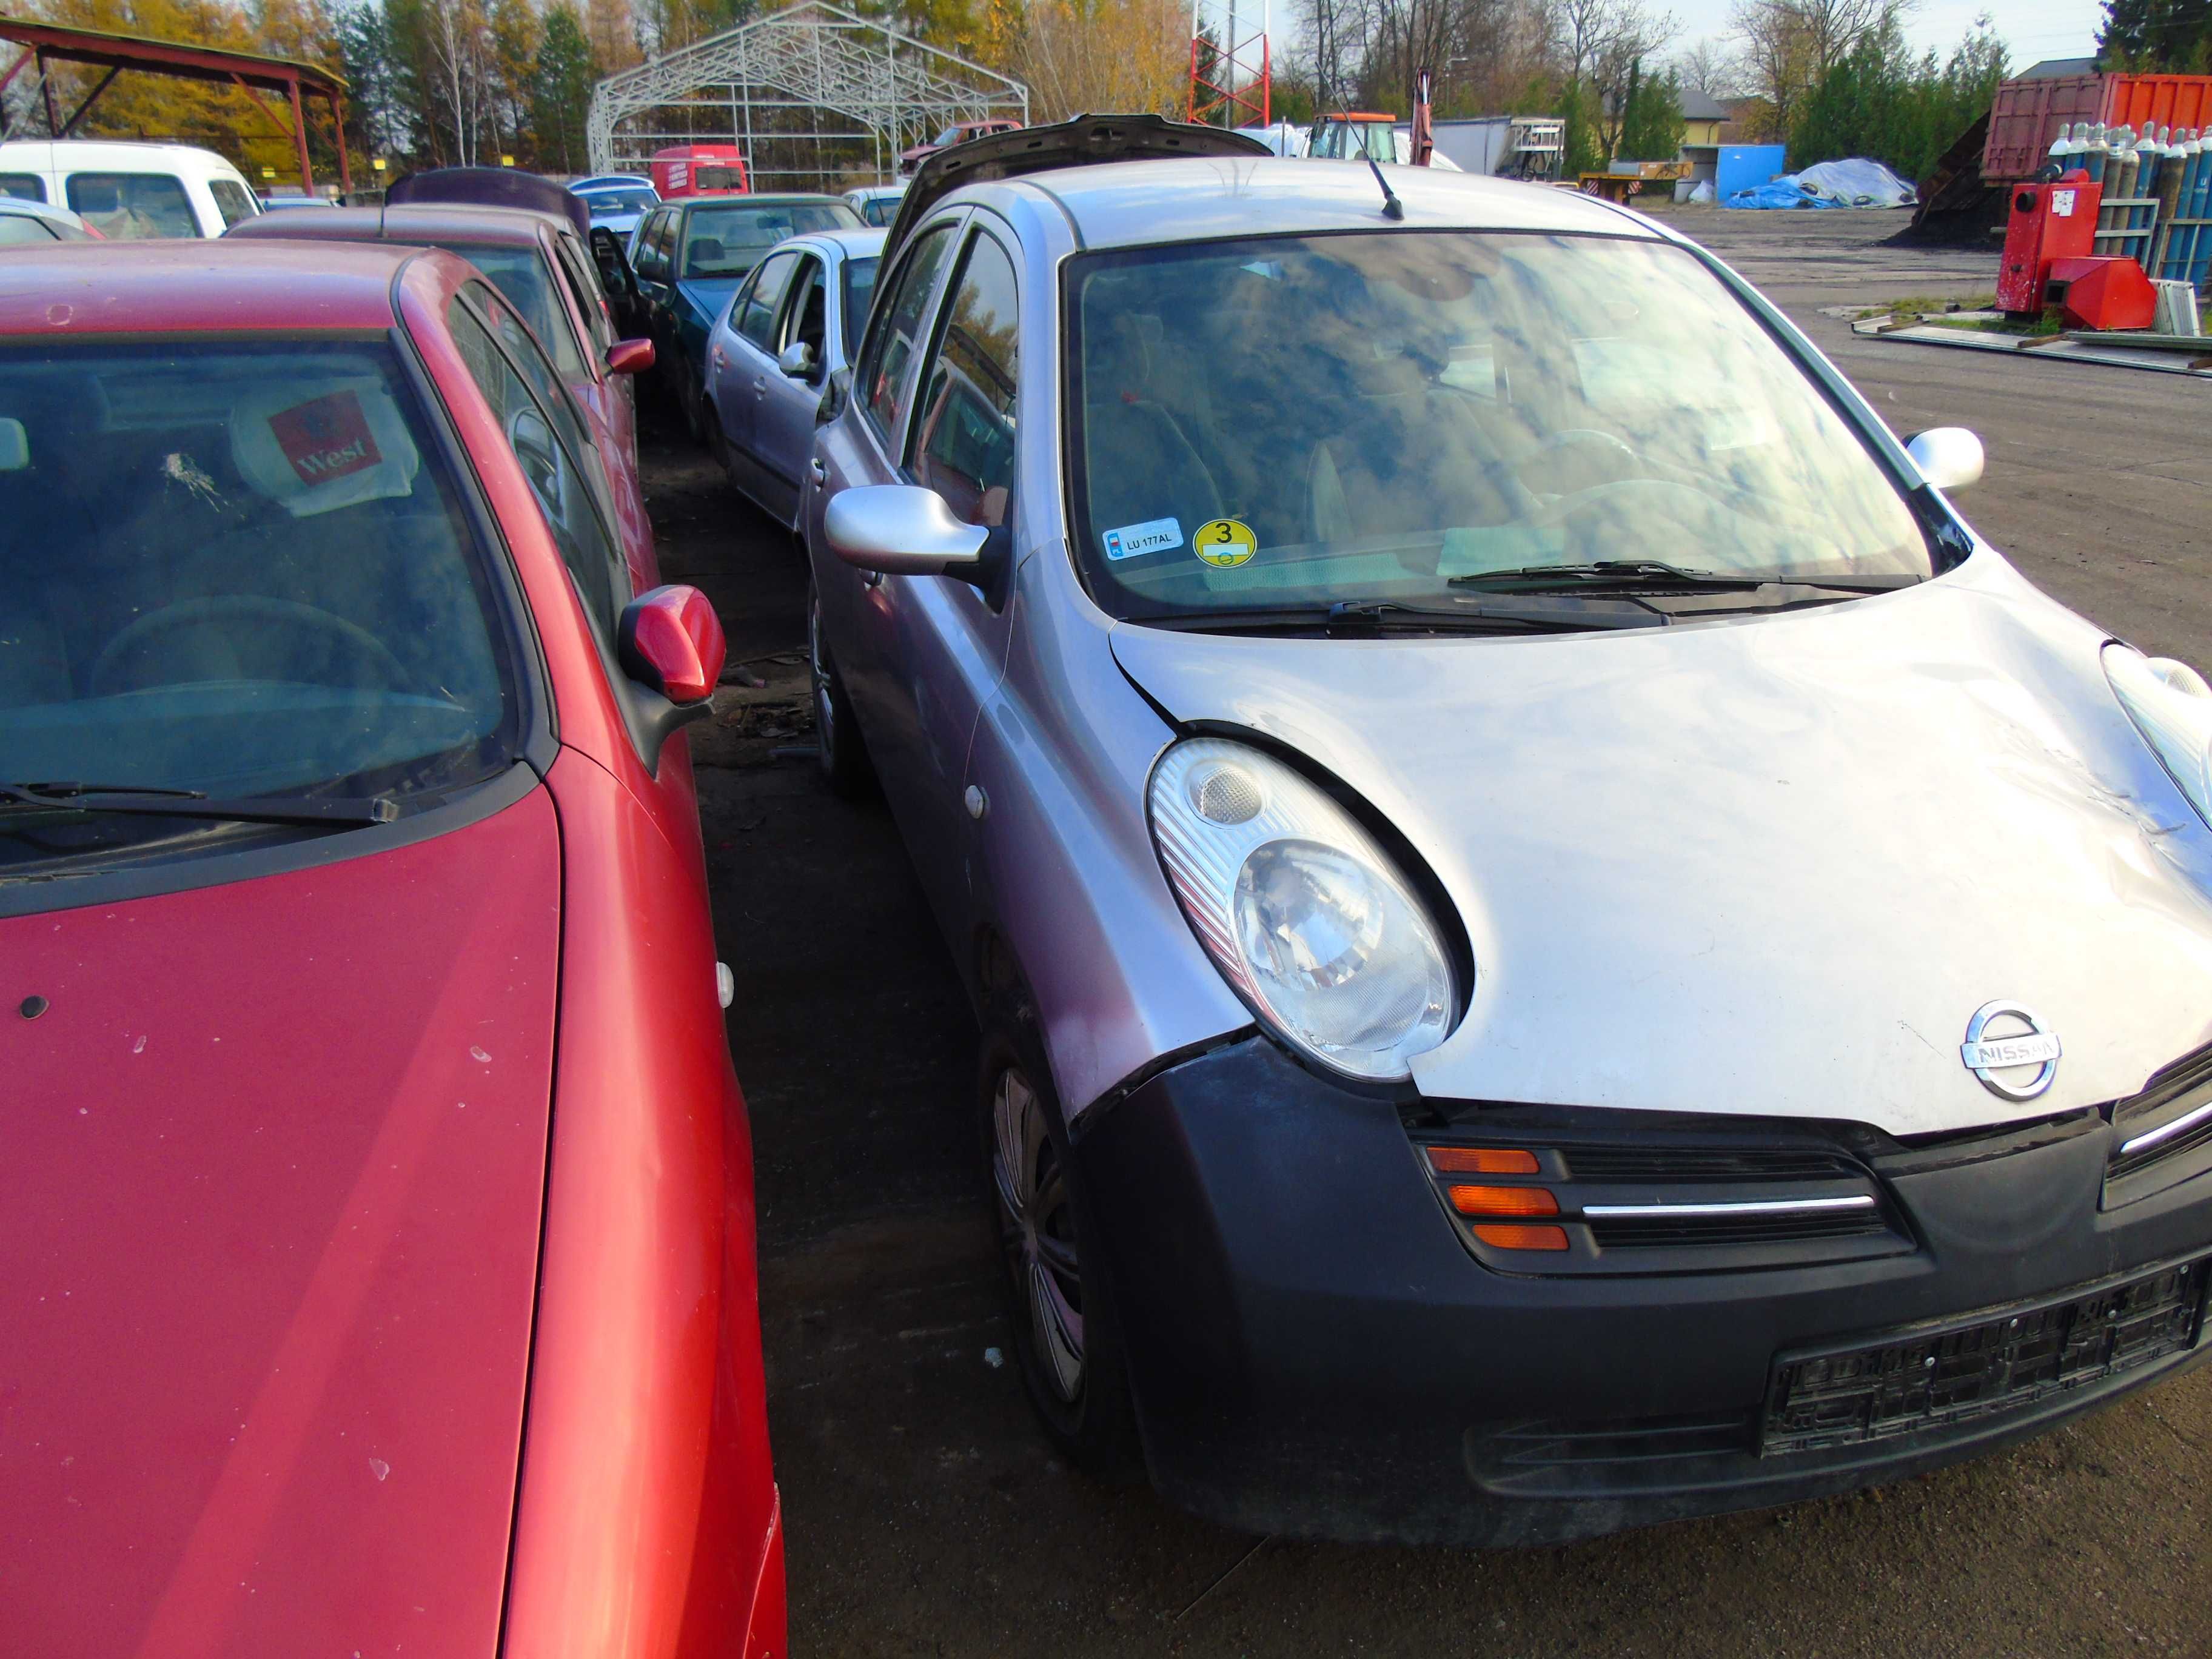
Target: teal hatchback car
point(688, 258)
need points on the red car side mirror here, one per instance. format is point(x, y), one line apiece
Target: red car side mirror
point(629, 356)
point(671, 640)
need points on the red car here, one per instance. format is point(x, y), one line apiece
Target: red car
point(958, 133)
point(376, 1215)
point(544, 269)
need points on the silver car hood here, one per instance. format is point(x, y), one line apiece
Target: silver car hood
point(1765, 867)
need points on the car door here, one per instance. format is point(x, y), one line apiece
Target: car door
point(937, 644)
point(749, 342)
point(862, 447)
point(656, 283)
point(783, 423)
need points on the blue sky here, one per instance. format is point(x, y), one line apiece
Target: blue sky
point(2033, 28)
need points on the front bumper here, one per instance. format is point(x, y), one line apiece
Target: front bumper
point(1315, 1349)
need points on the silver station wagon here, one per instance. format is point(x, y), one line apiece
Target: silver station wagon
point(1559, 944)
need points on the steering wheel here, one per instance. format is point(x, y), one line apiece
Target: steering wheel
point(1698, 513)
point(241, 607)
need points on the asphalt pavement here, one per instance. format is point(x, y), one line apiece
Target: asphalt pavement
point(925, 1514)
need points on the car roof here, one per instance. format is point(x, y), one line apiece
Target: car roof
point(779, 198)
point(38, 210)
point(852, 244)
point(494, 227)
point(193, 287)
point(1203, 198)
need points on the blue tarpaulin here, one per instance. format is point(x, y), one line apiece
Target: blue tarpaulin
point(1781, 193)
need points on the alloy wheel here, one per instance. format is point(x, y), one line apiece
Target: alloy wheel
point(1037, 1229)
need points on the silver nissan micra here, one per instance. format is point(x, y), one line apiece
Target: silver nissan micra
point(1559, 944)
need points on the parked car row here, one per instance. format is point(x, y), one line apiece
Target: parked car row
point(1463, 769)
point(371, 1096)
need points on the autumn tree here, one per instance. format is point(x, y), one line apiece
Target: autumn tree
point(1123, 55)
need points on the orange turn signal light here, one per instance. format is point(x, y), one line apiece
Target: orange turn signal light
point(1482, 1160)
point(1511, 1237)
point(1503, 1200)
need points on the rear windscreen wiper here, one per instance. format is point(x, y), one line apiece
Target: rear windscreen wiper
point(30, 798)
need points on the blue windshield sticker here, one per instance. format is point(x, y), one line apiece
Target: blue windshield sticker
point(1155, 536)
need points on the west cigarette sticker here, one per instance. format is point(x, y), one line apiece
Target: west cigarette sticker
point(326, 438)
point(1153, 536)
point(1224, 542)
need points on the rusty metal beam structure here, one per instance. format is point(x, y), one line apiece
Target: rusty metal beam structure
point(253, 73)
point(814, 55)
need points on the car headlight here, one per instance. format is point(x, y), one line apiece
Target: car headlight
point(1303, 913)
point(2171, 707)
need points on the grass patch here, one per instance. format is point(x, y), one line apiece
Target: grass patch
point(1910, 307)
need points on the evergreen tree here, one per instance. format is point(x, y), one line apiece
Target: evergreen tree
point(2174, 36)
point(1651, 127)
point(561, 90)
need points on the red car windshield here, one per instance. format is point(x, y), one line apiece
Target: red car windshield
point(238, 570)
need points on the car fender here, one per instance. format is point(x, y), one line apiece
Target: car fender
point(1065, 878)
point(654, 1541)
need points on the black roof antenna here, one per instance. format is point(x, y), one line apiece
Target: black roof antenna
point(1392, 207)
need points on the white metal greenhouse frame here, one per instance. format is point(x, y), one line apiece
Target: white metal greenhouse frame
point(897, 91)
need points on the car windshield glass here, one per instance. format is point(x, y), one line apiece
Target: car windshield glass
point(520, 273)
point(1370, 416)
point(860, 292)
point(728, 241)
point(604, 204)
point(236, 569)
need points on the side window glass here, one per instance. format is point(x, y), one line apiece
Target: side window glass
point(584, 289)
point(648, 262)
point(757, 322)
point(529, 357)
point(16, 228)
point(28, 186)
point(889, 349)
point(132, 207)
point(231, 201)
point(549, 461)
point(806, 316)
point(962, 441)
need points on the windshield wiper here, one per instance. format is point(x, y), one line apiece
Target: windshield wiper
point(1545, 614)
point(1609, 573)
point(1606, 573)
point(154, 801)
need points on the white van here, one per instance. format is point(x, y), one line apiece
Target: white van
point(129, 191)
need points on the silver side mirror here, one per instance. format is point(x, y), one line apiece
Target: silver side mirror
point(797, 360)
point(1949, 457)
point(902, 530)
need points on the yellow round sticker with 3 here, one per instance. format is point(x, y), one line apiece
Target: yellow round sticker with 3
point(1225, 541)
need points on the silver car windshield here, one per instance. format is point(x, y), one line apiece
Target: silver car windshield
point(1367, 417)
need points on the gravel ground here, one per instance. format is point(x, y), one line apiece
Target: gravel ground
point(925, 1516)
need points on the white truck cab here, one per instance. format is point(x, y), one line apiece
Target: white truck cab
point(129, 190)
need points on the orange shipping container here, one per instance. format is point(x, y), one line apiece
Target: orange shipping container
point(2027, 115)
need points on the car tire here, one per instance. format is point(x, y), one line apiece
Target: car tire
point(844, 755)
point(1066, 1338)
point(694, 399)
point(718, 442)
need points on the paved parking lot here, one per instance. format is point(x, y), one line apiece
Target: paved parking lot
point(924, 1513)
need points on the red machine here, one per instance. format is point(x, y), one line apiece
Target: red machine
point(2104, 292)
point(700, 170)
point(2049, 221)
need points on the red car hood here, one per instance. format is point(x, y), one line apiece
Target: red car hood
point(271, 1168)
